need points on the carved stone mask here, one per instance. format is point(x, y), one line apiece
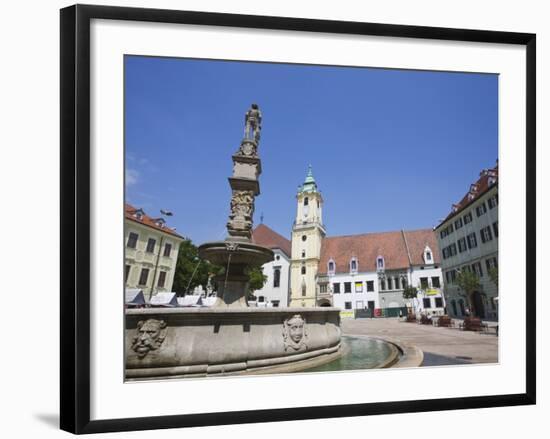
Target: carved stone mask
point(149, 336)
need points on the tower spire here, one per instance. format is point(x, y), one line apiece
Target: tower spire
point(309, 183)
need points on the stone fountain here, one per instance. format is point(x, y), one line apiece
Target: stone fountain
point(230, 337)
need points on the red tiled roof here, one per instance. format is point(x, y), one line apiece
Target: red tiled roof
point(367, 247)
point(477, 189)
point(146, 220)
point(263, 235)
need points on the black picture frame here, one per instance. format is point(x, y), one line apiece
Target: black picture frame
point(75, 217)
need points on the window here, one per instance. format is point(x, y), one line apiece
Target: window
point(126, 272)
point(261, 299)
point(143, 276)
point(396, 283)
point(426, 302)
point(448, 277)
point(447, 231)
point(435, 282)
point(347, 305)
point(380, 262)
point(167, 249)
point(132, 240)
point(493, 201)
point(481, 209)
point(304, 237)
point(382, 284)
point(467, 218)
point(331, 267)
point(336, 288)
point(428, 256)
point(439, 302)
point(404, 282)
point(452, 249)
point(353, 265)
point(424, 283)
point(303, 289)
point(495, 229)
point(162, 279)
point(453, 276)
point(306, 201)
point(370, 285)
point(322, 288)
point(462, 245)
point(472, 241)
point(275, 303)
point(151, 245)
point(276, 277)
point(476, 268)
point(303, 269)
point(491, 263)
point(453, 305)
point(347, 287)
point(485, 234)
point(389, 283)
point(303, 253)
point(458, 223)
point(358, 287)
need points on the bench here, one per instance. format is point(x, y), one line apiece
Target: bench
point(444, 321)
point(473, 324)
point(425, 320)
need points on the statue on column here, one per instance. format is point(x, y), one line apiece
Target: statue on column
point(253, 123)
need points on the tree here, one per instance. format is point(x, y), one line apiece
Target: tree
point(469, 282)
point(410, 293)
point(191, 271)
point(257, 280)
point(493, 275)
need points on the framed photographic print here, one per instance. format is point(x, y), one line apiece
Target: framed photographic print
point(339, 213)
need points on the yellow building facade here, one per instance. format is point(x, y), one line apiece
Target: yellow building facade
point(151, 253)
point(307, 236)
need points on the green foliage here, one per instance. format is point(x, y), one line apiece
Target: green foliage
point(191, 271)
point(410, 292)
point(468, 281)
point(493, 275)
point(257, 279)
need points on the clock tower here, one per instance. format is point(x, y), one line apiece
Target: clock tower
point(307, 236)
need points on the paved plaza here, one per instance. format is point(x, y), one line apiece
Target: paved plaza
point(441, 346)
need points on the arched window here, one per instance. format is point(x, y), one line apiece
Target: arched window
point(303, 289)
point(331, 267)
point(277, 278)
point(306, 201)
point(303, 253)
point(428, 255)
point(353, 265)
point(380, 263)
point(303, 269)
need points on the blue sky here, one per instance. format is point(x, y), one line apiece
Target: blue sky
point(390, 149)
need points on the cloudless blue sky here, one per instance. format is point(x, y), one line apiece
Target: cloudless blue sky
point(390, 149)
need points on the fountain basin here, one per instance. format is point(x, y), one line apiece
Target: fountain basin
point(244, 254)
point(175, 342)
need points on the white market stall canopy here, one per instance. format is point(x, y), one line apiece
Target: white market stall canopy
point(134, 297)
point(164, 299)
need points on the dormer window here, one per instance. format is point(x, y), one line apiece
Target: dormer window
point(380, 263)
point(160, 222)
point(353, 265)
point(139, 214)
point(428, 255)
point(331, 268)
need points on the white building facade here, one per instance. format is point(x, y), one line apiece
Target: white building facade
point(276, 290)
point(468, 240)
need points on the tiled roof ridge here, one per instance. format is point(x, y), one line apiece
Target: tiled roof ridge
point(387, 232)
point(148, 220)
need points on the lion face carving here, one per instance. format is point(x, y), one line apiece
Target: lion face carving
point(294, 332)
point(149, 336)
